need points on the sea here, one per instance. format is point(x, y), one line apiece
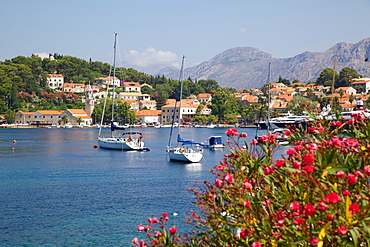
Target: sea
point(56, 189)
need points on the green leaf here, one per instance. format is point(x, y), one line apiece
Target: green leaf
point(354, 234)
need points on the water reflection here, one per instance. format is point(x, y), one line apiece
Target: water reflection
point(192, 167)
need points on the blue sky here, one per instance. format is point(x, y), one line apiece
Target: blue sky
point(153, 34)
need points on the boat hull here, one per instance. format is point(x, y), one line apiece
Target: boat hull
point(180, 154)
point(120, 144)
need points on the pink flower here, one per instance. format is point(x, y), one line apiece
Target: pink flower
point(231, 131)
point(351, 178)
point(243, 134)
point(323, 206)
point(254, 142)
point(367, 170)
point(308, 159)
point(298, 221)
point(142, 243)
point(268, 171)
point(333, 198)
point(340, 174)
point(280, 163)
point(309, 210)
point(294, 205)
point(354, 208)
point(263, 139)
point(346, 193)
point(218, 182)
point(140, 228)
point(291, 151)
point(172, 230)
point(243, 233)
point(135, 241)
point(247, 204)
point(248, 185)
point(309, 168)
point(296, 164)
point(342, 230)
point(229, 178)
point(314, 241)
point(359, 174)
point(298, 148)
point(256, 244)
point(329, 217)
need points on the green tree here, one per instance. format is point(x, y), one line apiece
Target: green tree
point(345, 76)
point(326, 77)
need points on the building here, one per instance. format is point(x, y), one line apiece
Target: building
point(364, 83)
point(188, 110)
point(108, 81)
point(134, 96)
point(89, 100)
point(55, 81)
point(148, 104)
point(132, 86)
point(204, 97)
point(149, 116)
point(74, 87)
point(40, 117)
point(77, 117)
point(348, 90)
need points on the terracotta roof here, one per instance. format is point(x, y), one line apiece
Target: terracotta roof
point(204, 95)
point(48, 112)
point(149, 113)
point(77, 111)
point(131, 84)
point(56, 75)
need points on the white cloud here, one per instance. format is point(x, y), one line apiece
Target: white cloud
point(150, 60)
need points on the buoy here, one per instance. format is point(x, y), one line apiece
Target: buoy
point(95, 146)
point(12, 149)
point(14, 141)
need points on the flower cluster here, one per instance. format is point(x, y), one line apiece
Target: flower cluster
point(316, 194)
point(158, 237)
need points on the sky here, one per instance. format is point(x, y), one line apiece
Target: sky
point(154, 34)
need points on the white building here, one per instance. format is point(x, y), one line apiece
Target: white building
point(108, 81)
point(55, 81)
point(188, 110)
point(131, 86)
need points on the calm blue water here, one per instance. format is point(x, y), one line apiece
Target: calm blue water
point(57, 190)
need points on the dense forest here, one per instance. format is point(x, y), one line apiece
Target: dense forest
point(23, 87)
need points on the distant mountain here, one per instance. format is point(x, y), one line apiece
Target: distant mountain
point(247, 67)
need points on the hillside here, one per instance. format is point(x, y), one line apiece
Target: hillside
point(247, 67)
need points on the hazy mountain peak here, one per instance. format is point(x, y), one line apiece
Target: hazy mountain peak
point(247, 67)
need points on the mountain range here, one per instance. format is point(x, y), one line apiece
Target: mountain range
point(247, 67)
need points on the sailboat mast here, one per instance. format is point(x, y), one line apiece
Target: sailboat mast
point(114, 72)
point(268, 98)
point(181, 83)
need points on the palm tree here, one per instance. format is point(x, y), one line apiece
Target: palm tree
point(79, 121)
point(64, 119)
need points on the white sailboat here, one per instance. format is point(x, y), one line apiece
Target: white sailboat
point(185, 150)
point(120, 137)
point(270, 125)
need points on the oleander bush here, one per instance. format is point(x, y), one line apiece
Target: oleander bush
point(316, 194)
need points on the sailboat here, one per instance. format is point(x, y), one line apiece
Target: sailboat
point(270, 125)
point(120, 137)
point(185, 150)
